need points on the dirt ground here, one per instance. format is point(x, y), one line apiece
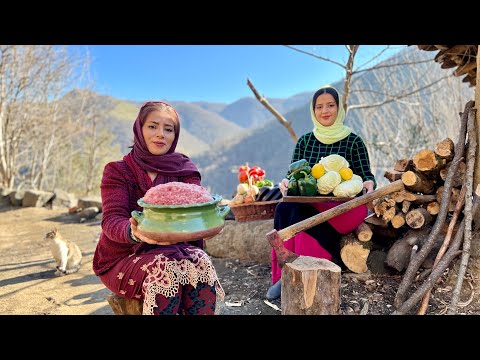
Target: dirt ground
point(28, 285)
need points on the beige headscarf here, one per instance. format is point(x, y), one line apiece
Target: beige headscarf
point(335, 132)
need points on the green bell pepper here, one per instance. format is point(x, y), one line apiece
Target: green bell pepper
point(292, 189)
point(297, 174)
point(297, 165)
point(307, 185)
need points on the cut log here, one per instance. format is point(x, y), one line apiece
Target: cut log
point(459, 179)
point(453, 197)
point(374, 220)
point(416, 237)
point(398, 220)
point(433, 208)
point(354, 253)
point(124, 306)
point(376, 262)
point(418, 183)
point(390, 213)
point(385, 207)
point(418, 218)
point(386, 200)
point(406, 206)
point(403, 165)
point(310, 286)
point(400, 196)
point(363, 232)
point(384, 233)
point(398, 256)
point(392, 175)
point(422, 199)
point(428, 163)
point(445, 149)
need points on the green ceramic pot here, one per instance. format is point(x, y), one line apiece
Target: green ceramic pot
point(186, 222)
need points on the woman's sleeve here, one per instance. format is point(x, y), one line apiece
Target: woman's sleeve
point(191, 180)
point(299, 150)
point(115, 205)
point(361, 161)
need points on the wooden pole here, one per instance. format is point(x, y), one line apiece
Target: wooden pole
point(476, 174)
point(294, 229)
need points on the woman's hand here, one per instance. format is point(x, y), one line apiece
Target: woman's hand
point(368, 185)
point(149, 239)
point(283, 186)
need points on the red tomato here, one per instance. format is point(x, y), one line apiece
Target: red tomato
point(242, 177)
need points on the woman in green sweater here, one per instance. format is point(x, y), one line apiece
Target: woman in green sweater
point(329, 136)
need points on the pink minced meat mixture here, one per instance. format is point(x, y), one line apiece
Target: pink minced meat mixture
point(177, 193)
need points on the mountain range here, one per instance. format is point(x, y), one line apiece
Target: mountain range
point(220, 137)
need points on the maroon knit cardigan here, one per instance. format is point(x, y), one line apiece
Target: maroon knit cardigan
point(120, 190)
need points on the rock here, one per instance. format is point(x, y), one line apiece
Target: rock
point(242, 240)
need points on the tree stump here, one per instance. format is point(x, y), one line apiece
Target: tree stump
point(124, 306)
point(311, 286)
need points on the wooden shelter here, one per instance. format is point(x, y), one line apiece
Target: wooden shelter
point(461, 57)
point(464, 59)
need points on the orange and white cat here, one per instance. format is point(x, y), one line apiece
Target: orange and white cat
point(67, 254)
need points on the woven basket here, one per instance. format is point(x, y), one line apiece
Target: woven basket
point(259, 210)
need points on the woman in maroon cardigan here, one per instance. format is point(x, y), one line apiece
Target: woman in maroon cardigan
point(175, 278)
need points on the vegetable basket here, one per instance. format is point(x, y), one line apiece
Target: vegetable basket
point(258, 210)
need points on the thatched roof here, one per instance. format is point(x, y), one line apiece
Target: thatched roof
point(463, 57)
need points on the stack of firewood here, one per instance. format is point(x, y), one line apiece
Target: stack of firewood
point(406, 217)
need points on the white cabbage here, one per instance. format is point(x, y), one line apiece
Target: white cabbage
point(356, 177)
point(334, 162)
point(348, 188)
point(328, 182)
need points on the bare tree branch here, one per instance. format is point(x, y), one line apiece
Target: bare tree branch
point(270, 108)
point(396, 98)
point(315, 56)
point(352, 50)
point(472, 147)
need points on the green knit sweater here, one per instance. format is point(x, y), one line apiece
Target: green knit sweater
point(352, 148)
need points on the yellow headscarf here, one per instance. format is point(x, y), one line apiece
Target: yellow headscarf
point(335, 132)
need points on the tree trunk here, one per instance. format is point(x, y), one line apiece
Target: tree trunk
point(476, 174)
point(311, 286)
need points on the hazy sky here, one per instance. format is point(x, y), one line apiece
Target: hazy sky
point(215, 73)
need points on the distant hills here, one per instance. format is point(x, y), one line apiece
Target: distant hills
point(220, 137)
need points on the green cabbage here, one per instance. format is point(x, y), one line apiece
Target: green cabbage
point(334, 162)
point(348, 188)
point(328, 182)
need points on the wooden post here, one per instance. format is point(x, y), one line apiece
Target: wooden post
point(476, 174)
point(311, 286)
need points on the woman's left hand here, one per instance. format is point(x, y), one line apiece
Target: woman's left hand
point(368, 185)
